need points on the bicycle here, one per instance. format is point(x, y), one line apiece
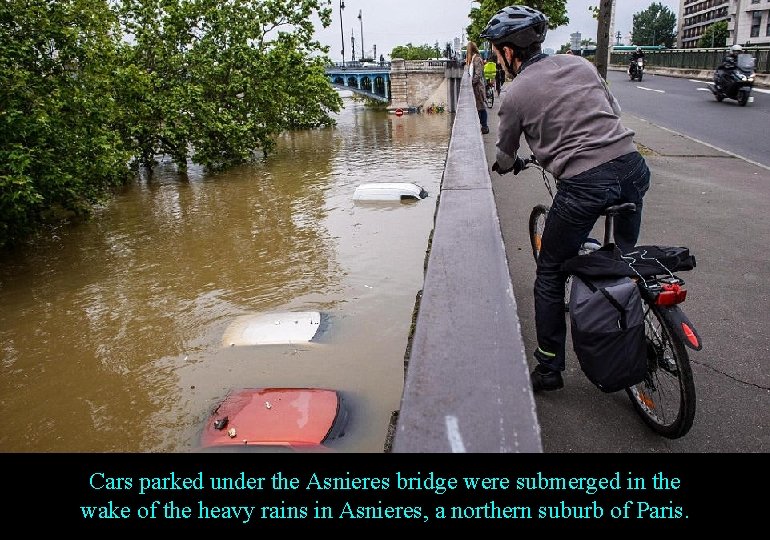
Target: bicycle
point(489, 94)
point(665, 399)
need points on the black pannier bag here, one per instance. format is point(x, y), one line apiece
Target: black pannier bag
point(607, 324)
point(606, 311)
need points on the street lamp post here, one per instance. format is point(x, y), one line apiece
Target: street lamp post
point(342, 33)
point(361, 19)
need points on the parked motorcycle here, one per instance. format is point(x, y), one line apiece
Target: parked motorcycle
point(735, 83)
point(636, 69)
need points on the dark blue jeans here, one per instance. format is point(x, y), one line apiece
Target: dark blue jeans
point(576, 207)
point(483, 117)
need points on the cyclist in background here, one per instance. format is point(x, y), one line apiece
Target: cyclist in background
point(490, 70)
point(586, 148)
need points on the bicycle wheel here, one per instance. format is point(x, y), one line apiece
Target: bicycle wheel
point(536, 227)
point(490, 97)
point(666, 398)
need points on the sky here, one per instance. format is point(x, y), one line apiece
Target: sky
point(389, 23)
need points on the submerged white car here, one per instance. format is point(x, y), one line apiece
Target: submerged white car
point(389, 191)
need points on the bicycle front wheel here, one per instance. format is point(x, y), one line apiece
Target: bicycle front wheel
point(666, 398)
point(536, 228)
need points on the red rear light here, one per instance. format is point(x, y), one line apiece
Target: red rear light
point(671, 294)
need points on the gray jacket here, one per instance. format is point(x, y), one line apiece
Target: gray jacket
point(567, 114)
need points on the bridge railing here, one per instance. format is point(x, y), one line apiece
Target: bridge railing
point(361, 65)
point(467, 384)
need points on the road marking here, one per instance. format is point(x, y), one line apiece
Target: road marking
point(753, 89)
point(651, 89)
point(733, 154)
point(453, 433)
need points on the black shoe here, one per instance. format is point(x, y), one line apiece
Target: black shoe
point(545, 379)
point(485, 130)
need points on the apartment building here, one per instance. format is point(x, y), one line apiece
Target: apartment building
point(748, 21)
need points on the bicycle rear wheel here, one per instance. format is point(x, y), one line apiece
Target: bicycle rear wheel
point(666, 398)
point(536, 227)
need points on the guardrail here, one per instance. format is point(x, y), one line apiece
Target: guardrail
point(467, 385)
point(707, 59)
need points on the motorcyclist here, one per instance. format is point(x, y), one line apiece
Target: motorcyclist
point(729, 62)
point(636, 55)
point(731, 59)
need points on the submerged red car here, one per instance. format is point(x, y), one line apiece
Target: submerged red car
point(290, 419)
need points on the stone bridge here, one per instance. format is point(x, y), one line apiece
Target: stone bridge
point(404, 84)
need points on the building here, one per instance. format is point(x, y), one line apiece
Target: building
point(748, 21)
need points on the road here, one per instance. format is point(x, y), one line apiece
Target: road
point(688, 107)
point(715, 204)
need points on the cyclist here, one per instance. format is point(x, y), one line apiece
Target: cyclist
point(574, 131)
point(490, 70)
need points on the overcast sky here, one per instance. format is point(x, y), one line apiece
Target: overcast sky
point(388, 23)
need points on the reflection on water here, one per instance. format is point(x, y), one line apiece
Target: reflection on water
point(111, 331)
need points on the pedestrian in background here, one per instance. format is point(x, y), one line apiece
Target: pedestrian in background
point(476, 71)
point(500, 78)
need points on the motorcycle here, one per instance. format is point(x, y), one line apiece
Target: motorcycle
point(735, 83)
point(636, 69)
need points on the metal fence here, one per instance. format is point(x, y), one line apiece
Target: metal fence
point(694, 58)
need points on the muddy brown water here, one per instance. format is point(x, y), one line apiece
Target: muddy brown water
point(111, 331)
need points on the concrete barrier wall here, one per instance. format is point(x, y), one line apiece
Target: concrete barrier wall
point(467, 384)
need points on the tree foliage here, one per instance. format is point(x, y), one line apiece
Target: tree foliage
point(92, 86)
point(415, 52)
point(555, 10)
point(224, 78)
point(656, 25)
point(60, 149)
point(715, 35)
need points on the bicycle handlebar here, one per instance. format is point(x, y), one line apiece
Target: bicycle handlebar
point(531, 160)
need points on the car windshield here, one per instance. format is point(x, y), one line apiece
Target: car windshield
point(745, 62)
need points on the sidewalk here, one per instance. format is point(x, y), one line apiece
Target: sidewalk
point(715, 204)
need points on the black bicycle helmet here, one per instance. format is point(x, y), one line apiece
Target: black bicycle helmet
point(519, 26)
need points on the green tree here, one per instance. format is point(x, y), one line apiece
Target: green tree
point(715, 35)
point(656, 25)
point(414, 52)
point(555, 10)
point(223, 79)
point(89, 86)
point(60, 144)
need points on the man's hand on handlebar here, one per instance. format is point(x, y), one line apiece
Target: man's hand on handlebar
point(518, 166)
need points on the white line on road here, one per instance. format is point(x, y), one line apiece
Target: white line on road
point(651, 89)
point(754, 89)
point(453, 433)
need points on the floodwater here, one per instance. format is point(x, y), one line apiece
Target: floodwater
point(111, 331)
